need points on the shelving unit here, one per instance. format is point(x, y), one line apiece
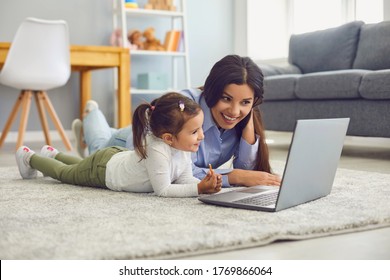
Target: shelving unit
point(122, 17)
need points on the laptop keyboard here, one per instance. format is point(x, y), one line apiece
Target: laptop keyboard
point(264, 199)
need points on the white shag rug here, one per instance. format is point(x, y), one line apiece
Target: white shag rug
point(44, 219)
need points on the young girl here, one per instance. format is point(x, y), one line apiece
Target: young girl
point(165, 133)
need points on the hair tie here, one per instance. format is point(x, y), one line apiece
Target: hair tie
point(181, 105)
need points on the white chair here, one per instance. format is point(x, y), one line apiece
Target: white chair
point(38, 60)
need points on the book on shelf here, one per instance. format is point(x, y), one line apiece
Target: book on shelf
point(173, 40)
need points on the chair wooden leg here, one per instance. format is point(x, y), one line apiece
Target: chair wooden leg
point(41, 110)
point(24, 117)
point(11, 118)
point(56, 120)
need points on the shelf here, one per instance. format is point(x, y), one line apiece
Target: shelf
point(161, 13)
point(158, 53)
point(125, 19)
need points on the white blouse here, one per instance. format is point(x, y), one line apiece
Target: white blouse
point(166, 171)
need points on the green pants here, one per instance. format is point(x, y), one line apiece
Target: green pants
point(90, 171)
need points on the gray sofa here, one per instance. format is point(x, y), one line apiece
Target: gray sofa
point(337, 72)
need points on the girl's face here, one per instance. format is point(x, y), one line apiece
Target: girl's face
point(235, 104)
point(191, 135)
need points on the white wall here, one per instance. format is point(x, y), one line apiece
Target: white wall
point(210, 36)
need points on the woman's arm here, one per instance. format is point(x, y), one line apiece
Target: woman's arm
point(248, 133)
point(246, 159)
point(251, 178)
point(246, 153)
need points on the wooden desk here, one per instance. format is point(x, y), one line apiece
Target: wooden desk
point(85, 59)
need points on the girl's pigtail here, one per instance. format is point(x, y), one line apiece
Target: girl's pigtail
point(140, 128)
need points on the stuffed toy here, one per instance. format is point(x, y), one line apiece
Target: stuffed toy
point(151, 43)
point(135, 39)
point(116, 38)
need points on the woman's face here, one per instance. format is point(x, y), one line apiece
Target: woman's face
point(235, 104)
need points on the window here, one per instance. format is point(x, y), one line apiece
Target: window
point(369, 11)
point(271, 22)
point(267, 28)
point(312, 15)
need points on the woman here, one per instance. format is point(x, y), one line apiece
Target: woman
point(232, 124)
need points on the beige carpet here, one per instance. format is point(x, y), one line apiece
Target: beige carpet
point(44, 219)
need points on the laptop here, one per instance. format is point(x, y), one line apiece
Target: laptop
point(309, 173)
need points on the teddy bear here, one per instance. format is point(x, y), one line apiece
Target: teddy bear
point(151, 43)
point(135, 39)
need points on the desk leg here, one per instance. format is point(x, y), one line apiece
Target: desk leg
point(85, 89)
point(124, 98)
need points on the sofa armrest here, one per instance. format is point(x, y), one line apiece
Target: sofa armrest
point(272, 70)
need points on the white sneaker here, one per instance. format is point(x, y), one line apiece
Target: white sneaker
point(77, 126)
point(90, 106)
point(49, 151)
point(23, 156)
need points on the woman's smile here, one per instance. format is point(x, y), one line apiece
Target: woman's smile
point(235, 104)
point(230, 120)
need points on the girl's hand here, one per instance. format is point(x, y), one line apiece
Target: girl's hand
point(251, 178)
point(211, 183)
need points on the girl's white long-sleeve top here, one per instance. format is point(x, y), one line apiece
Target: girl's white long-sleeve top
point(166, 171)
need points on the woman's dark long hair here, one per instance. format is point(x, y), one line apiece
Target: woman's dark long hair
point(166, 114)
point(234, 69)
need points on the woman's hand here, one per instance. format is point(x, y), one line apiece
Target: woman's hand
point(248, 133)
point(211, 183)
point(251, 178)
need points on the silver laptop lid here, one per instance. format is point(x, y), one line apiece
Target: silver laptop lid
point(312, 161)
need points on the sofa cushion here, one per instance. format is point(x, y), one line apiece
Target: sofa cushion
point(341, 84)
point(280, 87)
point(375, 85)
point(325, 50)
point(374, 47)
